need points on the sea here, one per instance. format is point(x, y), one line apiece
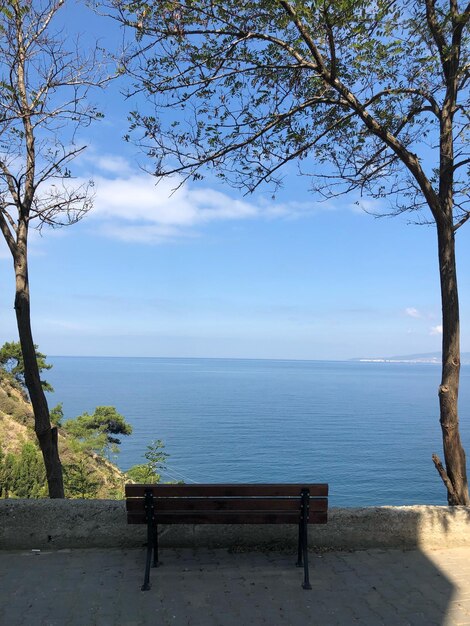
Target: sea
point(367, 429)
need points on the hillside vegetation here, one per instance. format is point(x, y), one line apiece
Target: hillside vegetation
point(87, 474)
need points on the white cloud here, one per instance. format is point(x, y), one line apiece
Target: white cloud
point(134, 208)
point(130, 206)
point(138, 199)
point(412, 312)
point(114, 164)
point(93, 163)
point(436, 330)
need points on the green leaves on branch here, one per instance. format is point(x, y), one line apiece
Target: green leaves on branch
point(56, 415)
point(11, 361)
point(97, 432)
point(349, 89)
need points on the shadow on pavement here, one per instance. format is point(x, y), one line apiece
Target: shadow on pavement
point(214, 587)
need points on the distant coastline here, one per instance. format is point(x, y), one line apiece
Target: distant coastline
point(433, 358)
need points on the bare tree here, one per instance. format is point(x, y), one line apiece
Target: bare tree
point(43, 100)
point(368, 96)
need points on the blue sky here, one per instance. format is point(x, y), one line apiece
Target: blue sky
point(207, 272)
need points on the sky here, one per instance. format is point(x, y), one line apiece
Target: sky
point(207, 272)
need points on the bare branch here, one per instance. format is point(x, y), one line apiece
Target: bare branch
point(56, 166)
point(461, 163)
point(445, 478)
point(7, 233)
point(43, 101)
point(460, 223)
point(13, 186)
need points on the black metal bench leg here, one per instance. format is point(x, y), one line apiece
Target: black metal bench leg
point(303, 525)
point(155, 546)
point(146, 585)
point(306, 584)
point(151, 525)
point(299, 547)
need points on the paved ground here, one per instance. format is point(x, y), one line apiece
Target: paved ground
point(215, 588)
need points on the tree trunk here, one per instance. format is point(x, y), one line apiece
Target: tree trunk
point(454, 453)
point(46, 435)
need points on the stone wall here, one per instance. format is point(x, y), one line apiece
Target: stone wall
point(29, 524)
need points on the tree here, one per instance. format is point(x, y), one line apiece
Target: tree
point(56, 414)
point(365, 96)
point(11, 359)
point(3, 475)
point(96, 432)
point(28, 478)
point(80, 481)
point(7, 474)
point(43, 90)
point(150, 472)
point(143, 474)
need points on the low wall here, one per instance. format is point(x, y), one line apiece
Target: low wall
point(29, 524)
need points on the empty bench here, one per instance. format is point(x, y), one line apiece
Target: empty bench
point(299, 504)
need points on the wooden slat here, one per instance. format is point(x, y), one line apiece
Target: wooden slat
point(226, 504)
point(228, 490)
point(241, 517)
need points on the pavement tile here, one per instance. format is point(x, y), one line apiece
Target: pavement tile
point(219, 588)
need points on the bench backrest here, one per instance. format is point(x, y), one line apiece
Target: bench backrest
point(227, 503)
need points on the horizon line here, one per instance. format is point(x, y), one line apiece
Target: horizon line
point(381, 359)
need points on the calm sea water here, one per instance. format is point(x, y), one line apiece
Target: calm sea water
point(368, 429)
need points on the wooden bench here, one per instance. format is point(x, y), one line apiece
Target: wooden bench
point(299, 504)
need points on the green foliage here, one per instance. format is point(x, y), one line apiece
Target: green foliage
point(2, 477)
point(56, 415)
point(349, 89)
point(23, 475)
point(7, 474)
point(155, 455)
point(11, 361)
point(150, 472)
point(6, 377)
point(86, 474)
point(143, 474)
point(96, 432)
point(30, 476)
point(80, 481)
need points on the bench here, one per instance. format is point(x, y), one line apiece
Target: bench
point(299, 504)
